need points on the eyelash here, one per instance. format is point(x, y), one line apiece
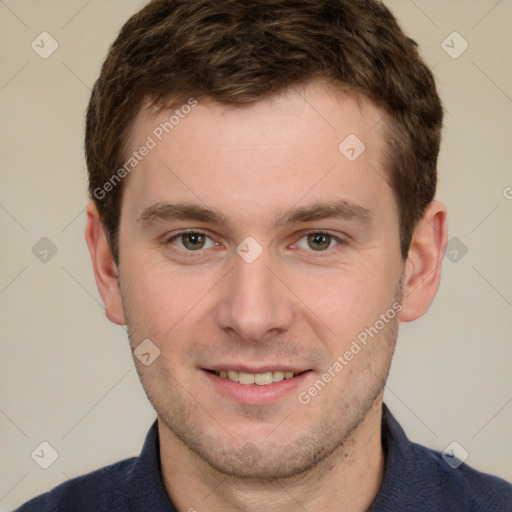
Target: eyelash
point(186, 232)
point(337, 239)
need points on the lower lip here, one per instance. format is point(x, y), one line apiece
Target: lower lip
point(253, 394)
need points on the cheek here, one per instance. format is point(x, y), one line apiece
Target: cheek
point(157, 298)
point(350, 298)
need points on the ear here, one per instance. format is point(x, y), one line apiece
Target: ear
point(423, 266)
point(105, 269)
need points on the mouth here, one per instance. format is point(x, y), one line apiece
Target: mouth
point(260, 379)
point(256, 386)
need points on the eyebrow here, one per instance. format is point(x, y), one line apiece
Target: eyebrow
point(342, 209)
point(165, 212)
point(345, 210)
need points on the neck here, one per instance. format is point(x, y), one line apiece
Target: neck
point(350, 477)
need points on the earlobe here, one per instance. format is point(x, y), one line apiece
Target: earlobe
point(104, 266)
point(422, 273)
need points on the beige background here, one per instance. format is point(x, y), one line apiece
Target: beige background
point(66, 373)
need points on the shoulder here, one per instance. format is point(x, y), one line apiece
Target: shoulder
point(132, 484)
point(462, 486)
point(420, 479)
point(105, 489)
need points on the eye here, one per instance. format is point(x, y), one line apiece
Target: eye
point(192, 241)
point(318, 241)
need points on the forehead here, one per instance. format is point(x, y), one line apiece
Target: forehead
point(303, 143)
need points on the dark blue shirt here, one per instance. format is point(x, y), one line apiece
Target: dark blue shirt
point(417, 479)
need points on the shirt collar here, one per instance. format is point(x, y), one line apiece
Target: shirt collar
point(147, 488)
point(397, 448)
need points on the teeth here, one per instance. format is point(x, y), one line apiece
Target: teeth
point(261, 379)
point(246, 378)
point(277, 376)
point(232, 376)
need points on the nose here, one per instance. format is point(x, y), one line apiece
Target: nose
point(254, 301)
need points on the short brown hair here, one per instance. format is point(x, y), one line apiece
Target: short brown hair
point(237, 52)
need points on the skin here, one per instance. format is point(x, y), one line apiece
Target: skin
point(292, 306)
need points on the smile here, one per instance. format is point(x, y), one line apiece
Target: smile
point(261, 385)
point(261, 379)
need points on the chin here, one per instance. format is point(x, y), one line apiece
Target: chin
point(263, 456)
point(253, 463)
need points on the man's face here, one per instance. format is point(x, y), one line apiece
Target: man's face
point(327, 229)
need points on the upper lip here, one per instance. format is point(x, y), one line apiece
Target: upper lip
point(257, 369)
